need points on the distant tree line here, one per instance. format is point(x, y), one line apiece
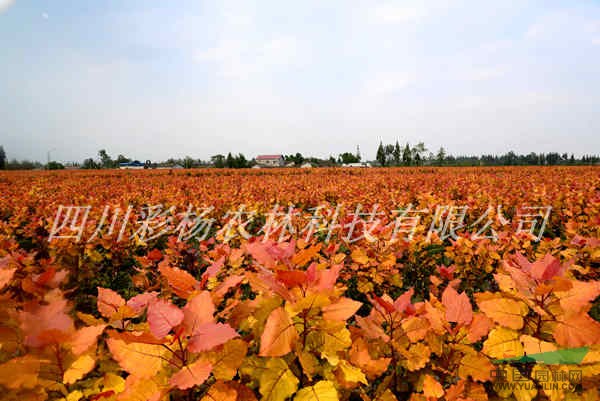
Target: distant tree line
point(387, 155)
point(395, 155)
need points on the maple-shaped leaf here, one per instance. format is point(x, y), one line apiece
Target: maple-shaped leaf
point(162, 317)
point(79, 368)
point(277, 382)
point(228, 359)
point(341, 310)
point(85, 338)
point(458, 307)
point(323, 390)
point(181, 282)
point(199, 310)
point(108, 302)
point(207, 336)
point(432, 389)
point(191, 375)
point(279, 334)
point(359, 256)
point(501, 309)
point(138, 359)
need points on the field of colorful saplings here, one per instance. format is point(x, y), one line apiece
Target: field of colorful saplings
point(236, 316)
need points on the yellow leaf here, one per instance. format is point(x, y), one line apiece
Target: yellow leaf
point(416, 356)
point(227, 360)
point(359, 256)
point(351, 374)
point(74, 396)
point(277, 382)
point(322, 391)
point(79, 368)
point(504, 311)
point(503, 343)
point(477, 366)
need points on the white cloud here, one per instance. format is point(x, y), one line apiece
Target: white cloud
point(596, 41)
point(45, 15)
point(5, 4)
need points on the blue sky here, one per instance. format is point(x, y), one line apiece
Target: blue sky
point(154, 80)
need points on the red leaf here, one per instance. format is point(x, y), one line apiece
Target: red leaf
point(458, 307)
point(108, 302)
point(162, 317)
point(209, 335)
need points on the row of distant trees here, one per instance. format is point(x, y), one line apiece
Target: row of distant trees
point(396, 155)
point(387, 155)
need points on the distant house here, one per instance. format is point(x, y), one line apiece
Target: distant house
point(364, 164)
point(270, 160)
point(136, 164)
point(306, 165)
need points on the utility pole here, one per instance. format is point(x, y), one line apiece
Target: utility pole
point(48, 156)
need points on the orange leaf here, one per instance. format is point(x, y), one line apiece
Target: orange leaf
point(191, 375)
point(279, 335)
point(458, 307)
point(341, 310)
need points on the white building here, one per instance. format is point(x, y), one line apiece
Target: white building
point(270, 160)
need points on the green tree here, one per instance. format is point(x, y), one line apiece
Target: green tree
point(188, 162)
point(229, 161)
point(380, 154)
point(397, 154)
point(55, 166)
point(218, 161)
point(441, 156)
point(348, 157)
point(2, 158)
point(105, 159)
point(407, 155)
point(417, 153)
point(89, 164)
